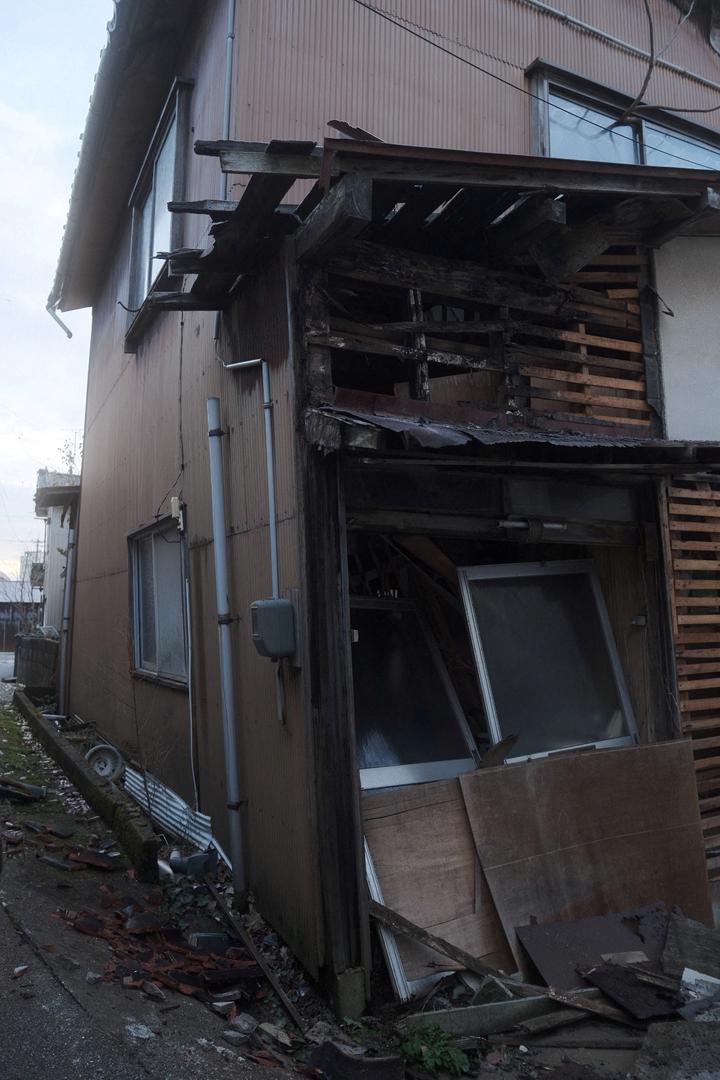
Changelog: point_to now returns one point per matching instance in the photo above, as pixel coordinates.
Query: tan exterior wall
(309, 61)
(298, 64)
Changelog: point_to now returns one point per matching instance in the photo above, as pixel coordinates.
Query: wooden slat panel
(692, 512)
(589, 398)
(585, 379)
(691, 493)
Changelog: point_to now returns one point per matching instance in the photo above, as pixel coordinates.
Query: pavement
(7, 662)
(53, 1021)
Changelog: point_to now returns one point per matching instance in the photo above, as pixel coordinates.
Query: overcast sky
(50, 52)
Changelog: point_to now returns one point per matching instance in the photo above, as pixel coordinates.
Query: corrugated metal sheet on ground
(170, 812)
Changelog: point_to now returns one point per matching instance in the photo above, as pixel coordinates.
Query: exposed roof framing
(443, 201)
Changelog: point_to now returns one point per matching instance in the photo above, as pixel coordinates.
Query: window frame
(175, 110)
(383, 776)
(544, 77)
(134, 540)
(495, 571)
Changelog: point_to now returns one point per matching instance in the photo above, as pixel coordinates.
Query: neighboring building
(19, 612)
(55, 494)
(478, 405)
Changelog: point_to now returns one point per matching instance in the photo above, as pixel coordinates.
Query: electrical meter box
(273, 627)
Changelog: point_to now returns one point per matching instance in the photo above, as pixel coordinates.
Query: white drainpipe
(227, 689)
(64, 652)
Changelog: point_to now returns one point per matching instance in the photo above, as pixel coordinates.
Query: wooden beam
(215, 208)
(460, 279)
(707, 207)
(343, 213)
(399, 925)
(529, 223)
(302, 163)
(561, 257)
(419, 165)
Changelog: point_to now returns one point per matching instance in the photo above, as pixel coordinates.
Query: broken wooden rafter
(343, 213)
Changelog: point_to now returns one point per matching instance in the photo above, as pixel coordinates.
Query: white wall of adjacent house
(688, 280)
(56, 540)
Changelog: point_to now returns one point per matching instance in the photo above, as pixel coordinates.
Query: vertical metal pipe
(270, 466)
(227, 102)
(227, 690)
(64, 657)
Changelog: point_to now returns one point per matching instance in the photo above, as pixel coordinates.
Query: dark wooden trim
(329, 670)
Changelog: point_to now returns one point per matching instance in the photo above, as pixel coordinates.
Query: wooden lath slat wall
(603, 376)
(537, 364)
(694, 538)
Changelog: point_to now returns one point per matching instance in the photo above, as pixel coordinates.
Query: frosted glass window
(409, 725)
(583, 133)
(547, 663)
(159, 616)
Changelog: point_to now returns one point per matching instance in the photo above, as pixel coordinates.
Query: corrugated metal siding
(309, 61)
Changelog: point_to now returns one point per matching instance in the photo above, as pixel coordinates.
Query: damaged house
(398, 551)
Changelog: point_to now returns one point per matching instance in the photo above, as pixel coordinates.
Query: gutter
(112, 62)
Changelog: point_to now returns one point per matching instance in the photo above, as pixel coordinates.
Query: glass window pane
(164, 182)
(146, 598)
(403, 715)
(675, 151)
(583, 133)
(548, 661)
(169, 585)
(143, 225)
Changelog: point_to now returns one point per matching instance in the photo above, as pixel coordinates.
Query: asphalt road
(45, 1032)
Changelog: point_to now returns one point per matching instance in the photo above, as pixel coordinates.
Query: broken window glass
(546, 660)
(409, 724)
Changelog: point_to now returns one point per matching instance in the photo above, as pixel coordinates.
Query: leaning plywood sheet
(575, 835)
(422, 850)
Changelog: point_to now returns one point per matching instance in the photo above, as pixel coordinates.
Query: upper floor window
(576, 120)
(161, 180)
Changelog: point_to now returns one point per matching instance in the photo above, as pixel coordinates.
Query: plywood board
(570, 836)
(424, 857)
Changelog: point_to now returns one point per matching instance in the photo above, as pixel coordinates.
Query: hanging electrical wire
(650, 68)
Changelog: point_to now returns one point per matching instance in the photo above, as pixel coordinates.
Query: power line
(513, 86)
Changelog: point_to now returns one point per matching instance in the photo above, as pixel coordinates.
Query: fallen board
(570, 836)
(559, 949)
(424, 858)
(689, 944)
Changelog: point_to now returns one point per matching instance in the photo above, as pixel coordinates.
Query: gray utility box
(273, 627)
